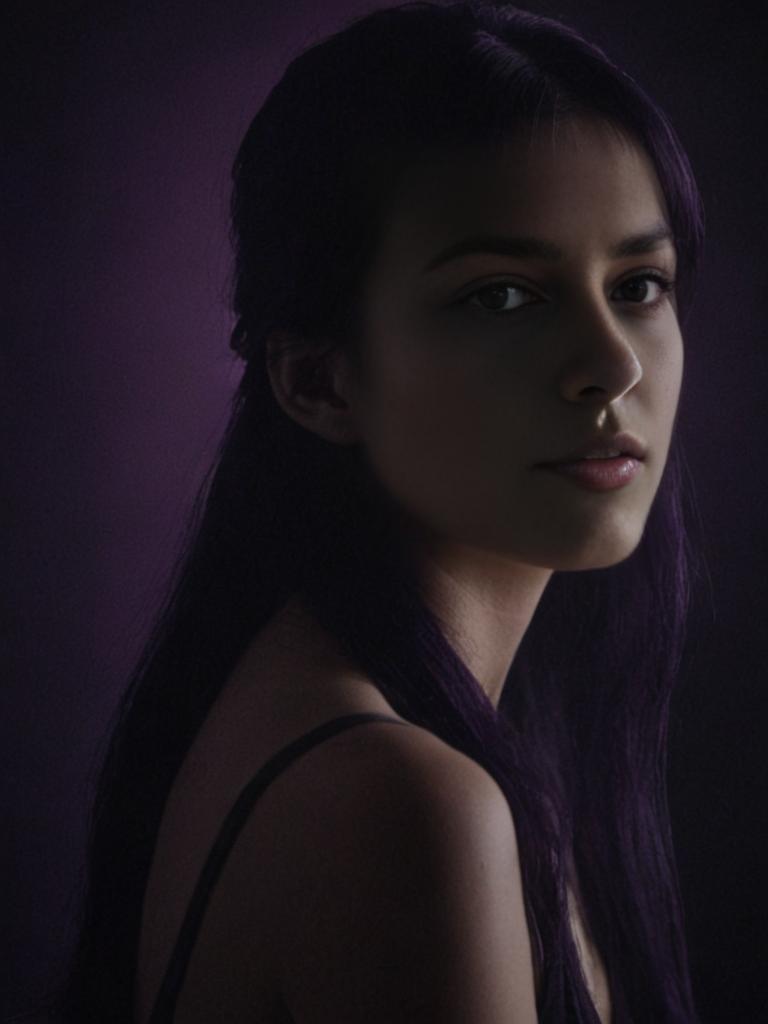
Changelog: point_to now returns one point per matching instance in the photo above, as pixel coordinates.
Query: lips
(598, 474)
(603, 447)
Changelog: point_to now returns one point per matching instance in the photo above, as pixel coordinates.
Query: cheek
(667, 373)
(421, 420)
(442, 432)
(659, 397)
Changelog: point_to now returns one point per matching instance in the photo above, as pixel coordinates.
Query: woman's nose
(599, 354)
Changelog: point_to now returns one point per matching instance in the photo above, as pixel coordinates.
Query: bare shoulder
(402, 900)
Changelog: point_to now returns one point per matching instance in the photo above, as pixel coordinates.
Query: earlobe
(309, 385)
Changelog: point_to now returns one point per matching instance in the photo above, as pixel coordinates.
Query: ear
(313, 386)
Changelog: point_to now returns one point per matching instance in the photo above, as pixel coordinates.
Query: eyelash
(666, 285)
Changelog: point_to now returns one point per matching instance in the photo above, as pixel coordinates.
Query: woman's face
(467, 387)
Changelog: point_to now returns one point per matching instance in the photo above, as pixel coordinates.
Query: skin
(456, 403)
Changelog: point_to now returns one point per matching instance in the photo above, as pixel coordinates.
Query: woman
(449, 501)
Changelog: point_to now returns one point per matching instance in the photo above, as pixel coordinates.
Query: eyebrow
(536, 248)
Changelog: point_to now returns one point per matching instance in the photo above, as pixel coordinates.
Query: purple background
(122, 122)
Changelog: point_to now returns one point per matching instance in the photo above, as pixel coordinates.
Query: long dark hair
(578, 742)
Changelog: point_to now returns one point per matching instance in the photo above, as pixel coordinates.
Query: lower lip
(598, 474)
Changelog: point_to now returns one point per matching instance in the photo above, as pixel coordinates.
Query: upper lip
(603, 445)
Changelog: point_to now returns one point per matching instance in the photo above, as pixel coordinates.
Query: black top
(165, 1004)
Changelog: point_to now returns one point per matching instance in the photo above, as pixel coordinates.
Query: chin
(601, 553)
(575, 548)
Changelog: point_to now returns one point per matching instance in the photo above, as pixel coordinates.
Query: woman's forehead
(573, 184)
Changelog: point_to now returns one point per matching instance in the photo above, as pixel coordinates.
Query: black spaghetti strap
(173, 979)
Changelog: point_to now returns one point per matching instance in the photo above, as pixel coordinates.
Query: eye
(498, 295)
(663, 284)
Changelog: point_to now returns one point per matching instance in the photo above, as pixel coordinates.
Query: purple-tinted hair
(578, 743)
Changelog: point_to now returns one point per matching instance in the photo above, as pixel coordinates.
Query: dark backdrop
(121, 121)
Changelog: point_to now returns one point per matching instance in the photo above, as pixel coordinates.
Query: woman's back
(337, 879)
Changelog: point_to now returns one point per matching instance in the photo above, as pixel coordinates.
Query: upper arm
(404, 903)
